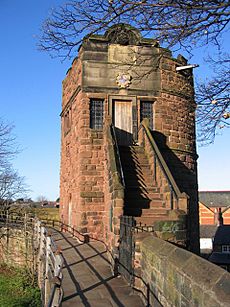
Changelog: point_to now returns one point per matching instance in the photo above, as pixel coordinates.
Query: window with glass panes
(96, 113)
(225, 248)
(146, 111)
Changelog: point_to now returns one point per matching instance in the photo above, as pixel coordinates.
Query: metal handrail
(118, 155)
(174, 189)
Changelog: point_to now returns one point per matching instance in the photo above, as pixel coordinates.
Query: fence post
(41, 258)
(47, 281)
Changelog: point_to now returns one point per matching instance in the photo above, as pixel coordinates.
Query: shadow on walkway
(87, 277)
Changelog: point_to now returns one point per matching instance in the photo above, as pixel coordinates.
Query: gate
(127, 248)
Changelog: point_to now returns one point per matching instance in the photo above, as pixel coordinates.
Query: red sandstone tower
(114, 162)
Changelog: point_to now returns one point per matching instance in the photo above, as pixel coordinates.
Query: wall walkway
(87, 276)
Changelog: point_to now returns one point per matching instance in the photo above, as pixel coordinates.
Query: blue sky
(31, 85)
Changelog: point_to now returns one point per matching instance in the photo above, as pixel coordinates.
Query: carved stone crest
(123, 80)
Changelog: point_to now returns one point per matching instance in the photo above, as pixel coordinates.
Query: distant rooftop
(220, 258)
(222, 235)
(208, 231)
(215, 198)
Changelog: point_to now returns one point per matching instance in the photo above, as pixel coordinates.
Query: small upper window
(225, 248)
(67, 121)
(96, 113)
(146, 111)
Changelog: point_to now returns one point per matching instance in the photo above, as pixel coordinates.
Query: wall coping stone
(210, 279)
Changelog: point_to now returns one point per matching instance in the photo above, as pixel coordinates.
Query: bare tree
(41, 198)
(175, 24)
(213, 100)
(187, 23)
(8, 146)
(12, 185)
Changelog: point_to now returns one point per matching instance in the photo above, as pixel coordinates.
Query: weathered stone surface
(87, 158)
(180, 278)
(222, 289)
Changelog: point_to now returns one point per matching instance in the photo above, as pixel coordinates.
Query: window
(225, 248)
(146, 111)
(96, 113)
(67, 121)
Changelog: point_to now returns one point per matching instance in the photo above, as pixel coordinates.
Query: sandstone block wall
(175, 131)
(177, 277)
(84, 185)
(16, 248)
(82, 170)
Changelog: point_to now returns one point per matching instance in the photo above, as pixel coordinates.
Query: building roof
(208, 231)
(222, 235)
(220, 258)
(215, 198)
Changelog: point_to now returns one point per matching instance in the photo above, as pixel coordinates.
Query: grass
(17, 289)
(47, 213)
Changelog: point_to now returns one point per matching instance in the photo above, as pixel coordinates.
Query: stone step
(138, 174)
(137, 168)
(133, 154)
(135, 158)
(130, 182)
(143, 203)
(148, 212)
(150, 189)
(139, 177)
(135, 148)
(136, 194)
(149, 220)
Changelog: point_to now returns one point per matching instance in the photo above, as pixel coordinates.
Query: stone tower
(118, 80)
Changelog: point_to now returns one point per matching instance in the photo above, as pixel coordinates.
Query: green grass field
(16, 289)
(47, 213)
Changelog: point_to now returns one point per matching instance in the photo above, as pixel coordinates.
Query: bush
(17, 288)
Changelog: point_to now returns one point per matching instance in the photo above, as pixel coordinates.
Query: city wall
(176, 277)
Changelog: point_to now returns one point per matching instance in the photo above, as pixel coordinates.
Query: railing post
(155, 167)
(47, 281)
(41, 258)
(171, 197)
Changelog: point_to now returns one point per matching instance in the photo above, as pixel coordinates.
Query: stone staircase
(142, 197)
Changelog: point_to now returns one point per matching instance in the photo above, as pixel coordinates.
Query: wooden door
(123, 122)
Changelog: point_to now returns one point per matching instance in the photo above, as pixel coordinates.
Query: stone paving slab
(87, 277)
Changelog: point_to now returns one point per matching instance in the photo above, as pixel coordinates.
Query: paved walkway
(87, 277)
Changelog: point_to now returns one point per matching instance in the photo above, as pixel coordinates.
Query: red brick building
(116, 81)
(212, 206)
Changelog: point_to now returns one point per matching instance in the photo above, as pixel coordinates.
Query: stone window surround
(95, 122)
(143, 104)
(67, 120)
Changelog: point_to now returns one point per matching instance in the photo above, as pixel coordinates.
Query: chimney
(220, 217)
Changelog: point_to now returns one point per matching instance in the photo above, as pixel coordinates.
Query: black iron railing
(117, 155)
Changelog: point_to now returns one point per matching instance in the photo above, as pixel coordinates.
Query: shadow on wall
(186, 180)
(124, 138)
(184, 177)
(136, 199)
